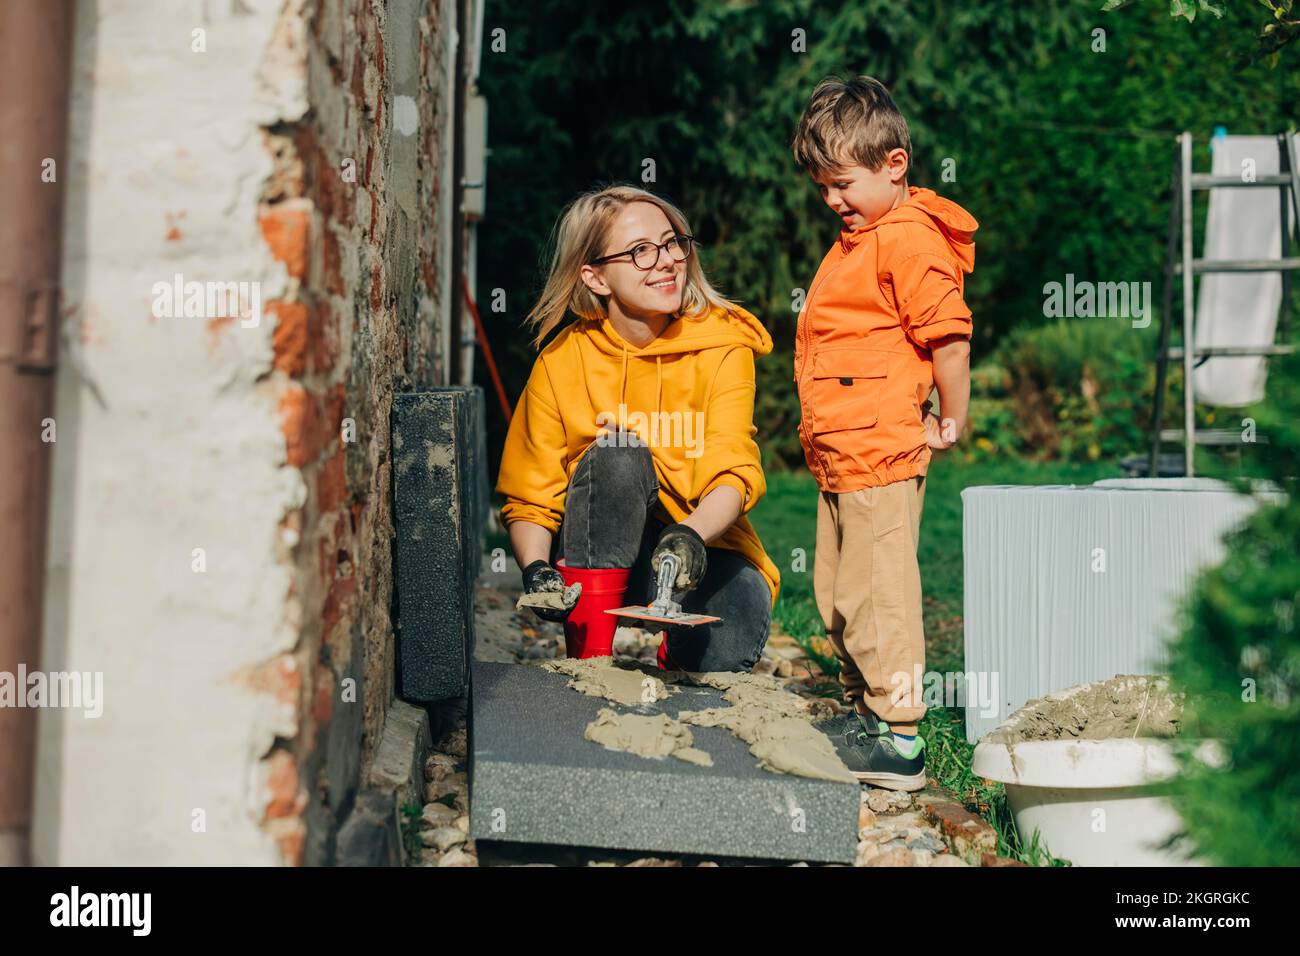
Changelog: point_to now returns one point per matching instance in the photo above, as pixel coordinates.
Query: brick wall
(355, 211)
(304, 148)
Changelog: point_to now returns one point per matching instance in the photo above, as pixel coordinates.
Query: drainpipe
(35, 57)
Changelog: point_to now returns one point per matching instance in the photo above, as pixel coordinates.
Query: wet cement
(553, 600)
(599, 677)
(1125, 706)
(656, 735)
(777, 725)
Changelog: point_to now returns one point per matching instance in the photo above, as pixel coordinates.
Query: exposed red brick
(332, 262)
(280, 678)
(319, 351)
(323, 703)
(376, 290)
(300, 421)
(966, 833)
(333, 402)
(285, 231)
(283, 797)
(331, 483)
(289, 340)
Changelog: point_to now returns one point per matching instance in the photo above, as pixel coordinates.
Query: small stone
(784, 668)
(442, 838)
(947, 859)
(866, 853)
(438, 766)
(454, 743)
(875, 835)
(654, 861)
(898, 856)
(878, 801)
(926, 841)
(902, 822)
(823, 708)
(993, 860)
(765, 665)
(458, 857)
(866, 819)
(437, 815)
(706, 863)
(450, 785)
(462, 823)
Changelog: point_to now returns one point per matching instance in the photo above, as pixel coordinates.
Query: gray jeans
(608, 524)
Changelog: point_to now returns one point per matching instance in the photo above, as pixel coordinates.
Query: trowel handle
(669, 565)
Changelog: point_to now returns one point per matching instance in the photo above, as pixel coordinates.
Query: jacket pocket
(847, 385)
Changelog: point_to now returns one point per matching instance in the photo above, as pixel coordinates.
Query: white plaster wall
(168, 440)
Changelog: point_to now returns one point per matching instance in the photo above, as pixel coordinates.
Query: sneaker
(872, 754)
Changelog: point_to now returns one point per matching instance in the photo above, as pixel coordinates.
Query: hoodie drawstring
(659, 385)
(622, 382)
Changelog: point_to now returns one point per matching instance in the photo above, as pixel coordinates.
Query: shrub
(1238, 660)
(1074, 390)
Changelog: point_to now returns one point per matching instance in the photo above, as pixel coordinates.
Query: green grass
(786, 523)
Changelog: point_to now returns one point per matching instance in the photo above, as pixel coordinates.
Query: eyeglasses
(645, 255)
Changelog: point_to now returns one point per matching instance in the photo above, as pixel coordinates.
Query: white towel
(1239, 308)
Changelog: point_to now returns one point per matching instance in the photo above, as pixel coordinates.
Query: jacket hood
(928, 208)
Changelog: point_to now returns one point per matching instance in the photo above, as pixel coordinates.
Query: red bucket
(588, 630)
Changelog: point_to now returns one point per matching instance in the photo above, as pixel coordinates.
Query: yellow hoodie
(689, 394)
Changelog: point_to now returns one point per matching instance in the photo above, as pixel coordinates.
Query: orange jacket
(689, 394)
(883, 294)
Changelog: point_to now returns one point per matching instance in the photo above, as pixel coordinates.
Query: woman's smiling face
(657, 291)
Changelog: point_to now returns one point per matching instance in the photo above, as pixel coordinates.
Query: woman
(634, 438)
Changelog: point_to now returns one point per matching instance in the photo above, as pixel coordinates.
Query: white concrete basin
(1090, 800)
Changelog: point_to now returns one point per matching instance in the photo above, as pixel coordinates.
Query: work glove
(542, 579)
(692, 555)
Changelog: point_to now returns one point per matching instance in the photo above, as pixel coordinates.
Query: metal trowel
(665, 610)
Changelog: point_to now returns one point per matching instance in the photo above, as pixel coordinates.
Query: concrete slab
(534, 779)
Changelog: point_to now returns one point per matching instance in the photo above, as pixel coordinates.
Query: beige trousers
(868, 588)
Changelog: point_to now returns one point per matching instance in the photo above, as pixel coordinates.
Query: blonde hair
(580, 236)
(847, 122)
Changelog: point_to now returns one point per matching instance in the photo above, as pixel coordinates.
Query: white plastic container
(1089, 800)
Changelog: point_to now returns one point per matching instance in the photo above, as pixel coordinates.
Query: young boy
(883, 323)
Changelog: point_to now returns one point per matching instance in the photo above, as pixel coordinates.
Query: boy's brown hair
(849, 122)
